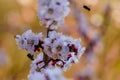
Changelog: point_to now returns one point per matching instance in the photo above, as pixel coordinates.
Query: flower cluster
(47, 74)
(53, 12)
(56, 51)
(29, 41)
(62, 50)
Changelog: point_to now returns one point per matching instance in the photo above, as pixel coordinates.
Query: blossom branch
(58, 51)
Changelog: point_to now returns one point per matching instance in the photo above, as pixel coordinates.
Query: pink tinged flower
(47, 74)
(53, 12)
(58, 46)
(54, 73)
(28, 40)
(21, 42)
(62, 6)
(36, 76)
(37, 64)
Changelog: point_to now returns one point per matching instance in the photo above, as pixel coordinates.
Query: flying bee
(86, 7)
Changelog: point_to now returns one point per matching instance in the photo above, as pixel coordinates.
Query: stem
(46, 57)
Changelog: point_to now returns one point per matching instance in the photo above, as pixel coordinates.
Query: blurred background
(99, 30)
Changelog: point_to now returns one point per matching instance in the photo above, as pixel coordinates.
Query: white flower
(77, 48)
(54, 73)
(36, 76)
(47, 74)
(21, 42)
(55, 46)
(62, 49)
(54, 35)
(53, 12)
(37, 64)
(72, 59)
(58, 46)
(61, 5)
(28, 40)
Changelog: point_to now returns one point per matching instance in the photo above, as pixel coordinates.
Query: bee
(86, 7)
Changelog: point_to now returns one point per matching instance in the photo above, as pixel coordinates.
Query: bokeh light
(102, 38)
